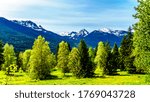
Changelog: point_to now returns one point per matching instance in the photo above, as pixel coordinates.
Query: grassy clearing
(122, 79)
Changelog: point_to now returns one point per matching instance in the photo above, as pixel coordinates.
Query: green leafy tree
(53, 61)
(91, 54)
(101, 58)
(39, 63)
(141, 37)
(25, 60)
(62, 57)
(91, 63)
(9, 58)
(73, 63)
(1, 54)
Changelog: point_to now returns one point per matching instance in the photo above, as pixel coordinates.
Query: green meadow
(57, 78)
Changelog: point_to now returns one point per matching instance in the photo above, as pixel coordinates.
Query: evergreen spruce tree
(86, 70)
(69, 46)
(126, 58)
(109, 64)
(40, 59)
(115, 59)
(91, 63)
(9, 59)
(101, 58)
(1, 55)
(141, 37)
(62, 57)
(123, 53)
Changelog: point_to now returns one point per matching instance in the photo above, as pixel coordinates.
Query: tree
(62, 57)
(73, 63)
(123, 53)
(115, 58)
(84, 62)
(109, 62)
(141, 37)
(53, 60)
(19, 60)
(40, 59)
(1, 54)
(91, 54)
(101, 57)
(25, 60)
(126, 58)
(91, 63)
(9, 58)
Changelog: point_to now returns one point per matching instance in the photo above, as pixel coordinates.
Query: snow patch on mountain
(115, 32)
(106, 30)
(74, 35)
(29, 24)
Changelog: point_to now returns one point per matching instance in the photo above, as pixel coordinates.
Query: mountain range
(21, 34)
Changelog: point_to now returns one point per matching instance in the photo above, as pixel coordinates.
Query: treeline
(81, 61)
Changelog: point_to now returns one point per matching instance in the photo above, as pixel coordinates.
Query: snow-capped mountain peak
(64, 33)
(115, 32)
(106, 30)
(29, 24)
(83, 32)
(73, 34)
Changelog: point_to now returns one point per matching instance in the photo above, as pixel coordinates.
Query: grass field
(122, 79)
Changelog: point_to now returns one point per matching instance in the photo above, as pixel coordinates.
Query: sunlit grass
(123, 78)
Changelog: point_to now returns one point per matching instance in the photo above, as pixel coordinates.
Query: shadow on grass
(116, 74)
(100, 77)
(54, 77)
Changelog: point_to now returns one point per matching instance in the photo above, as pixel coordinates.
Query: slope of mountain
(23, 36)
(30, 24)
(94, 37)
(23, 33)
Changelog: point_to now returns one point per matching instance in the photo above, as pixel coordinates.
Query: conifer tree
(9, 58)
(123, 53)
(1, 54)
(109, 64)
(86, 69)
(141, 38)
(40, 59)
(62, 57)
(126, 58)
(101, 57)
(115, 54)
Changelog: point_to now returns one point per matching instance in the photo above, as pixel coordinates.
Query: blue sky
(72, 15)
